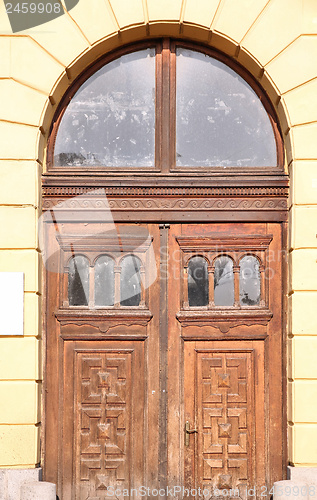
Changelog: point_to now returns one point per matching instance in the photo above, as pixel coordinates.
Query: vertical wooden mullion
(167, 141)
(266, 275)
(158, 107)
(64, 284)
(142, 287)
(172, 106)
(236, 276)
(91, 300)
(163, 357)
(211, 272)
(117, 273)
(263, 299)
(185, 287)
(263, 287)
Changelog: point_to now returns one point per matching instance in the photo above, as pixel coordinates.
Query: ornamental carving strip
(186, 204)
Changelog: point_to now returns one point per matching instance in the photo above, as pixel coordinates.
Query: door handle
(188, 431)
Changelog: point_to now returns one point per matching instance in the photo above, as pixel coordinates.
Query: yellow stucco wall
(277, 41)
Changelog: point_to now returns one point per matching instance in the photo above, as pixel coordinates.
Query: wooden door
(102, 385)
(225, 381)
(125, 380)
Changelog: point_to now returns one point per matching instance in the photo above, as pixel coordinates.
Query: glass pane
(250, 281)
(104, 281)
(130, 282)
(224, 282)
(78, 281)
(198, 292)
(110, 120)
(220, 119)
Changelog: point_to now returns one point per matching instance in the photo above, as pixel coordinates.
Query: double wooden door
(165, 379)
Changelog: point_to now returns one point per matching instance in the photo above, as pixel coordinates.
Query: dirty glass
(223, 282)
(250, 281)
(197, 282)
(130, 281)
(104, 281)
(78, 281)
(110, 120)
(220, 120)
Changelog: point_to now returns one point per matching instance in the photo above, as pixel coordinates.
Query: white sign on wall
(11, 303)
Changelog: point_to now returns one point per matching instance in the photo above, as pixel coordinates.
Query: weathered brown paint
(187, 201)
(255, 337)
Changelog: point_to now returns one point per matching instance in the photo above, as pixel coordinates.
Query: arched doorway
(165, 230)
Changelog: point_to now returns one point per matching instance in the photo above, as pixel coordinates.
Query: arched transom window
(164, 107)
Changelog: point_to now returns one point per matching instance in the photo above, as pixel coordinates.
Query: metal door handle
(188, 431)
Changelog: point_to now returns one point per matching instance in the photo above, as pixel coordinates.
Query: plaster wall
(276, 40)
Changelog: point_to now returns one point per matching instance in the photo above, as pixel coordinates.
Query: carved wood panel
(108, 417)
(104, 403)
(224, 409)
(221, 402)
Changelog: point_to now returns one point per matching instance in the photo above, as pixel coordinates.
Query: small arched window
(104, 281)
(198, 287)
(121, 112)
(78, 281)
(250, 281)
(130, 281)
(223, 282)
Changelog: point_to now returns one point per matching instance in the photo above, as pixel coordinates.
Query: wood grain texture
(227, 374)
(120, 382)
